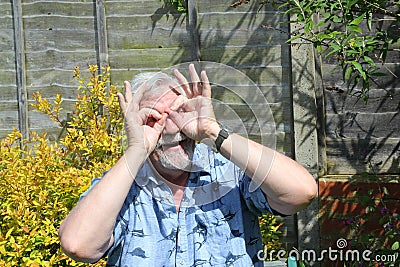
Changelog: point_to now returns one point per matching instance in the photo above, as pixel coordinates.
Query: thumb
(160, 124)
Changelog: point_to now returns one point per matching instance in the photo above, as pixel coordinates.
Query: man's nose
(170, 127)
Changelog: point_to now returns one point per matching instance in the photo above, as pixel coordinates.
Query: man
(171, 202)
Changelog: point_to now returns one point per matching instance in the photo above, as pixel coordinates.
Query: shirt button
(168, 197)
(181, 262)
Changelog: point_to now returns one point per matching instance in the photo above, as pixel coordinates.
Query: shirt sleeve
(256, 201)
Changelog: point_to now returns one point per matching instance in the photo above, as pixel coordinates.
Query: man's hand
(194, 114)
(143, 126)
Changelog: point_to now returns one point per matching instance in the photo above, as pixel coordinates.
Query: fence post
(305, 84)
(193, 29)
(101, 34)
(20, 69)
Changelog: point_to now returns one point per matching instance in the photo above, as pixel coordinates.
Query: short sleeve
(256, 201)
(92, 184)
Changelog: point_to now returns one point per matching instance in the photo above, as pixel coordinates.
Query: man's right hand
(143, 126)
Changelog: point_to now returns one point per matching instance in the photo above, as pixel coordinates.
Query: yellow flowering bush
(40, 180)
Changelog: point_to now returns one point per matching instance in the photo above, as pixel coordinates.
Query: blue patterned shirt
(217, 224)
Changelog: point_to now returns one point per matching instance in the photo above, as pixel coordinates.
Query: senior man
(179, 196)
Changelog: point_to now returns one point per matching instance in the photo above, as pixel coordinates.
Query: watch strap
(222, 135)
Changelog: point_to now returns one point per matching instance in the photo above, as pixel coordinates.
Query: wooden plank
(148, 38)
(381, 100)
(258, 36)
(8, 59)
(55, 59)
(6, 10)
(247, 55)
(6, 38)
(68, 91)
(224, 6)
(53, 22)
(333, 77)
(58, 8)
(20, 69)
(148, 58)
(72, 40)
(48, 77)
(352, 155)
(153, 8)
(244, 21)
(7, 77)
(8, 116)
(363, 125)
(126, 23)
(8, 93)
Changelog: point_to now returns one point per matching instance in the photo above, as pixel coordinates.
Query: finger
(178, 102)
(160, 124)
(132, 100)
(148, 114)
(137, 96)
(206, 85)
(122, 103)
(128, 91)
(177, 119)
(183, 83)
(196, 88)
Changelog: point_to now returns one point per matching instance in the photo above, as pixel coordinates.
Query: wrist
(213, 131)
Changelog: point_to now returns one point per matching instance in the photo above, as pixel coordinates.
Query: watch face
(224, 133)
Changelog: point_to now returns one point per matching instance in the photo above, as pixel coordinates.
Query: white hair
(153, 81)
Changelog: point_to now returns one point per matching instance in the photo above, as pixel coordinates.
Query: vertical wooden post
(101, 34)
(20, 68)
(193, 28)
(305, 84)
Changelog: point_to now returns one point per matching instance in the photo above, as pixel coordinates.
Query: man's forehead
(165, 92)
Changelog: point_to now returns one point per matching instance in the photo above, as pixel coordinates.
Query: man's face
(174, 150)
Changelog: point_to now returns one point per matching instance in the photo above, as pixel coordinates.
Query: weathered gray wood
(363, 125)
(58, 8)
(380, 100)
(333, 77)
(255, 56)
(351, 155)
(53, 22)
(305, 80)
(101, 34)
(154, 8)
(148, 58)
(20, 69)
(193, 29)
(55, 59)
(61, 39)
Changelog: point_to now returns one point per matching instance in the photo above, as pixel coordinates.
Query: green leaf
(337, 19)
(369, 61)
(358, 20)
(354, 28)
(396, 245)
(359, 69)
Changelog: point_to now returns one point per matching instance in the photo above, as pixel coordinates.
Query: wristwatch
(222, 135)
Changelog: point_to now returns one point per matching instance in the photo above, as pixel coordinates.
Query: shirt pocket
(213, 242)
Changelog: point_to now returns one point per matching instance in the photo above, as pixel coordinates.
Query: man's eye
(151, 121)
